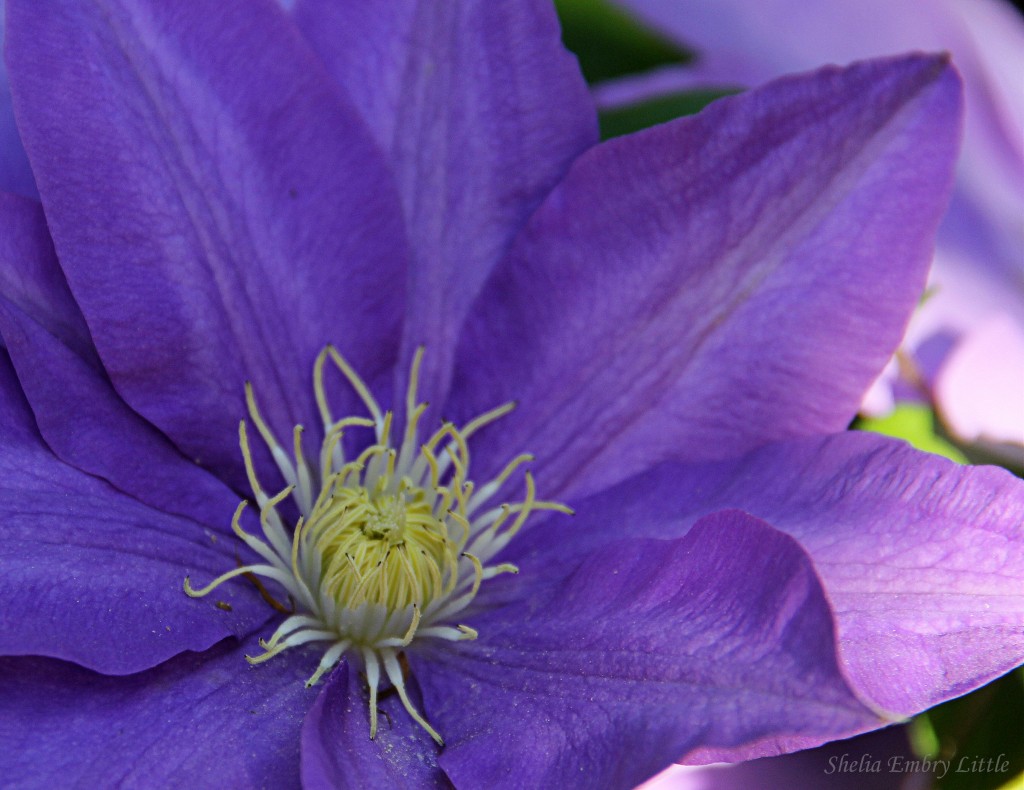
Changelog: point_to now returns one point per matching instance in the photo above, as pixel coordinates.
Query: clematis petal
(921, 558)
(15, 172)
(336, 754)
(649, 649)
(731, 37)
(219, 209)
(76, 409)
(30, 277)
(718, 282)
(481, 111)
(88, 570)
(977, 270)
(740, 42)
(196, 721)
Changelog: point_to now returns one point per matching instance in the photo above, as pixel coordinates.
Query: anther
(388, 547)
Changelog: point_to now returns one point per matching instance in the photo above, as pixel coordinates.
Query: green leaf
(610, 43)
(633, 118)
(981, 735)
(1017, 783)
(914, 423)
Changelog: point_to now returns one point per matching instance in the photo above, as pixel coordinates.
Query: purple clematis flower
(965, 346)
(361, 208)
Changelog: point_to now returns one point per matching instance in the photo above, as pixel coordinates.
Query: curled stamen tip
(418, 507)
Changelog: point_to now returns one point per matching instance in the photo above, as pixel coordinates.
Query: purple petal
(15, 173)
(920, 557)
(30, 277)
(650, 649)
(205, 720)
(718, 282)
(979, 268)
(76, 409)
(88, 570)
(732, 35)
(747, 42)
(337, 752)
(481, 111)
(990, 53)
(221, 213)
(638, 88)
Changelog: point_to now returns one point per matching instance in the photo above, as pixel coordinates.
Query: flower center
(390, 545)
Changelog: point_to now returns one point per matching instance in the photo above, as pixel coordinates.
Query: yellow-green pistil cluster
(390, 545)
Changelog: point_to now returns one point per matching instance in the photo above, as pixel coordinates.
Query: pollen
(390, 546)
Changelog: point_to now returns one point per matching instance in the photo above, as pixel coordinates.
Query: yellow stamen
(387, 547)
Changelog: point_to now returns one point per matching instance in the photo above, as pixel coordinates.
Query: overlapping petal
(15, 173)
(89, 570)
(481, 111)
(649, 648)
(718, 282)
(920, 557)
(76, 409)
(30, 277)
(743, 42)
(978, 268)
(219, 209)
(197, 721)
